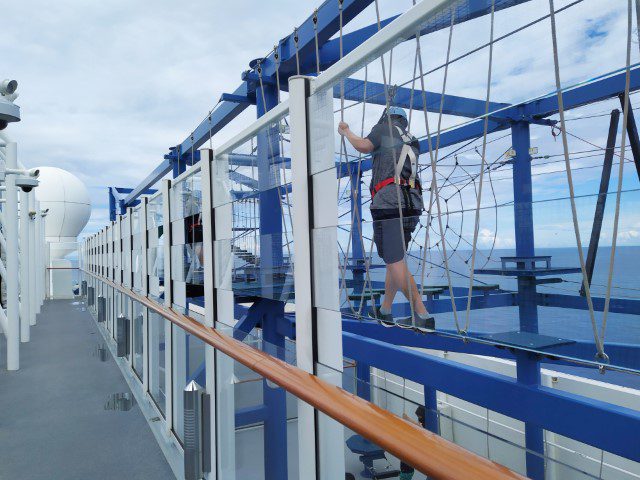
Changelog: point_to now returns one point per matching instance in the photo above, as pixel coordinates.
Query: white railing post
(168, 341)
(25, 294)
(144, 267)
(31, 222)
(224, 314)
(210, 293)
(318, 318)
(11, 219)
(39, 257)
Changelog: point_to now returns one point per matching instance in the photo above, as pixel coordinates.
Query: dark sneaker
(425, 324)
(406, 322)
(377, 315)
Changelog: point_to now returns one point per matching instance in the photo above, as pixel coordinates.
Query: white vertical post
(117, 309)
(318, 318)
(142, 223)
(224, 312)
(11, 219)
(127, 249)
(25, 303)
(33, 297)
(210, 292)
(39, 257)
(168, 342)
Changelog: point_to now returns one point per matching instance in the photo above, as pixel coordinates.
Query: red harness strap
(389, 181)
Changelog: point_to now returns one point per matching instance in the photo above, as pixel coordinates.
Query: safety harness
(406, 151)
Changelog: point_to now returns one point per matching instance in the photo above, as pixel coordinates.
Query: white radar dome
(67, 199)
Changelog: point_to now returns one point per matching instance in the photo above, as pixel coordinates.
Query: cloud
(106, 88)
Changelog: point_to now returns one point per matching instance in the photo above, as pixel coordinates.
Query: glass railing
(246, 433)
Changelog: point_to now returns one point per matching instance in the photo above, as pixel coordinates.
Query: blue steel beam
(618, 305)
(157, 173)
(602, 88)
(442, 305)
(453, 105)
(230, 97)
(213, 123)
(465, 11)
(251, 415)
(603, 425)
(327, 26)
(243, 180)
(622, 355)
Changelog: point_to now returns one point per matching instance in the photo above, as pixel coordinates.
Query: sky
(107, 87)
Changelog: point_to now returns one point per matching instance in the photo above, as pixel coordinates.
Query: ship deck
(54, 423)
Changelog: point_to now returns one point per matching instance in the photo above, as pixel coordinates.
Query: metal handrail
(425, 451)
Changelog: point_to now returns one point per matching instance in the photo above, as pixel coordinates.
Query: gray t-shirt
(385, 155)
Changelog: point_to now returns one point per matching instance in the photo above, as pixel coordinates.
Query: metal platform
(526, 340)
(526, 267)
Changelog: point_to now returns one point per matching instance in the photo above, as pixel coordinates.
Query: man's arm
(363, 145)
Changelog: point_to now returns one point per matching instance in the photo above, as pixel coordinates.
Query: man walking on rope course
(395, 215)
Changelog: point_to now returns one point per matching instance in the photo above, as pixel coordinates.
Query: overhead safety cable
(476, 228)
(315, 34)
(433, 155)
(295, 43)
(616, 218)
(585, 281)
(386, 82)
(433, 190)
(483, 46)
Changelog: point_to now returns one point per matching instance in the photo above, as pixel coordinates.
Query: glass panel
(484, 432)
(188, 365)
(137, 250)
(157, 347)
(126, 251)
(187, 270)
(155, 252)
(127, 311)
(254, 243)
(246, 442)
(138, 339)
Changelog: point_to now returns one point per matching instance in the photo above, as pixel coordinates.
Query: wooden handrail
(425, 451)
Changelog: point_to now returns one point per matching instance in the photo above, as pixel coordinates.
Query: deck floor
(53, 424)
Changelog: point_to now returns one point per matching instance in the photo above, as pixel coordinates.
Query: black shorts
(390, 236)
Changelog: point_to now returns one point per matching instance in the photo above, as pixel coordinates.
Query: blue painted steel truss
(596, 423)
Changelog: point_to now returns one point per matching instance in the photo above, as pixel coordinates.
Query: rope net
(458, 81)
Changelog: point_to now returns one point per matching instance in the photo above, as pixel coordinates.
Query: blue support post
(431, 421)
(178, 167)
(275, 401)
(363, 380)
(528, 365)
(112, 206)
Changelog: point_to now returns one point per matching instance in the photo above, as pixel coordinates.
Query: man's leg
(390, 290)
(401, 277)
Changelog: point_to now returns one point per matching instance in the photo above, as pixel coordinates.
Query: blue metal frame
(600, 424)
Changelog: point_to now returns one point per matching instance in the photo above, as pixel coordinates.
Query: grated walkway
(53, 424)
